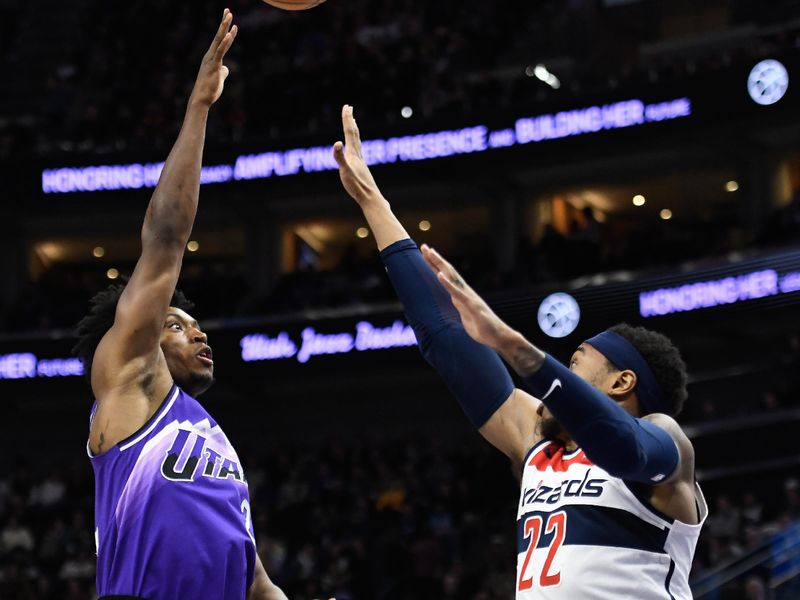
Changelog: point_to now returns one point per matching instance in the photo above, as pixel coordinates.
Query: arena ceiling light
(542, 74)
(559, 315)
(768, 82)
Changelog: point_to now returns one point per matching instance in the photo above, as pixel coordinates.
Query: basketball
(294, 4)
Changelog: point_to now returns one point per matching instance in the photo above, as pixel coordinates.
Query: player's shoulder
(676, 432)
(666, 422)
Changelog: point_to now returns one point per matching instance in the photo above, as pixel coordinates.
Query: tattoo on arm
(527, 359)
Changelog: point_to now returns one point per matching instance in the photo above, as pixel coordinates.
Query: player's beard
(197, 382)
(551, 429)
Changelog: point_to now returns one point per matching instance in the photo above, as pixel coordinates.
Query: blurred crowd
(110, 91)
(367, 520)
(223, 288)
(408, 517)
(362, 520)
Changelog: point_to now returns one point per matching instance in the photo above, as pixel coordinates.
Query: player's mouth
(205, 356)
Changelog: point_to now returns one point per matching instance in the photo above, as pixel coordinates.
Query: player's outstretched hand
(480, 321)
(211, 78)
(353, 171)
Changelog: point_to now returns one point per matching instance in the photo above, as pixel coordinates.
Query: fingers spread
(224, 26)
(445, 269)
(429, 257)
(457, 293)
(426, 254)
(437, 260)
(226, 44)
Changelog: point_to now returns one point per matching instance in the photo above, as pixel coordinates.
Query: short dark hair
(664, 359)
(91, 328)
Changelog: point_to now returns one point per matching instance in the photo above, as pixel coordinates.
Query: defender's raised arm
(476, 376)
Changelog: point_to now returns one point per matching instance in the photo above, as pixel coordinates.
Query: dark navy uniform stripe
(669, 578)
(598, 526)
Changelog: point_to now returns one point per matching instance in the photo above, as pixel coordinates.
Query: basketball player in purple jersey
(172, 511)
(609, 507)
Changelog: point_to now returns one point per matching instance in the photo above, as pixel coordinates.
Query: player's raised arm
(128, 364)
(651, 450)
(505, 416)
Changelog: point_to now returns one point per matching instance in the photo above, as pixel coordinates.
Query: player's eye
(175, 326)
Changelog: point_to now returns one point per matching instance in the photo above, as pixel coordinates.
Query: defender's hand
(480, 321)
(211, 78)
(353, 171)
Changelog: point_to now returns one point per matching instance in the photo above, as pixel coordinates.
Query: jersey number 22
(532, 529)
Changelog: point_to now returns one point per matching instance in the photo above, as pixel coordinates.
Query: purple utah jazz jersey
(172, 510)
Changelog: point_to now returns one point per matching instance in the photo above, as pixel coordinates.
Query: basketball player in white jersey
(609, 507)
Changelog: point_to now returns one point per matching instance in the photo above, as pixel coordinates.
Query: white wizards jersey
(583, 534)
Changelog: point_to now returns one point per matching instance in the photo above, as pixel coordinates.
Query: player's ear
(623, 384)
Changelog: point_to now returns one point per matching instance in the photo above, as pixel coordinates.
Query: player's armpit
(512, 427)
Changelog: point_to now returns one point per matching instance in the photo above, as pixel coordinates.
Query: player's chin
(202, 379)
(550, 428)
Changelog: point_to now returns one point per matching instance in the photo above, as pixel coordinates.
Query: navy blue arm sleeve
(626, 447)
(474, 373)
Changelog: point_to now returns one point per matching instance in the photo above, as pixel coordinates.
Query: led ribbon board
(410, 148)
(26, 365)
(257, 346)
(744, 288)
(717, 292)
